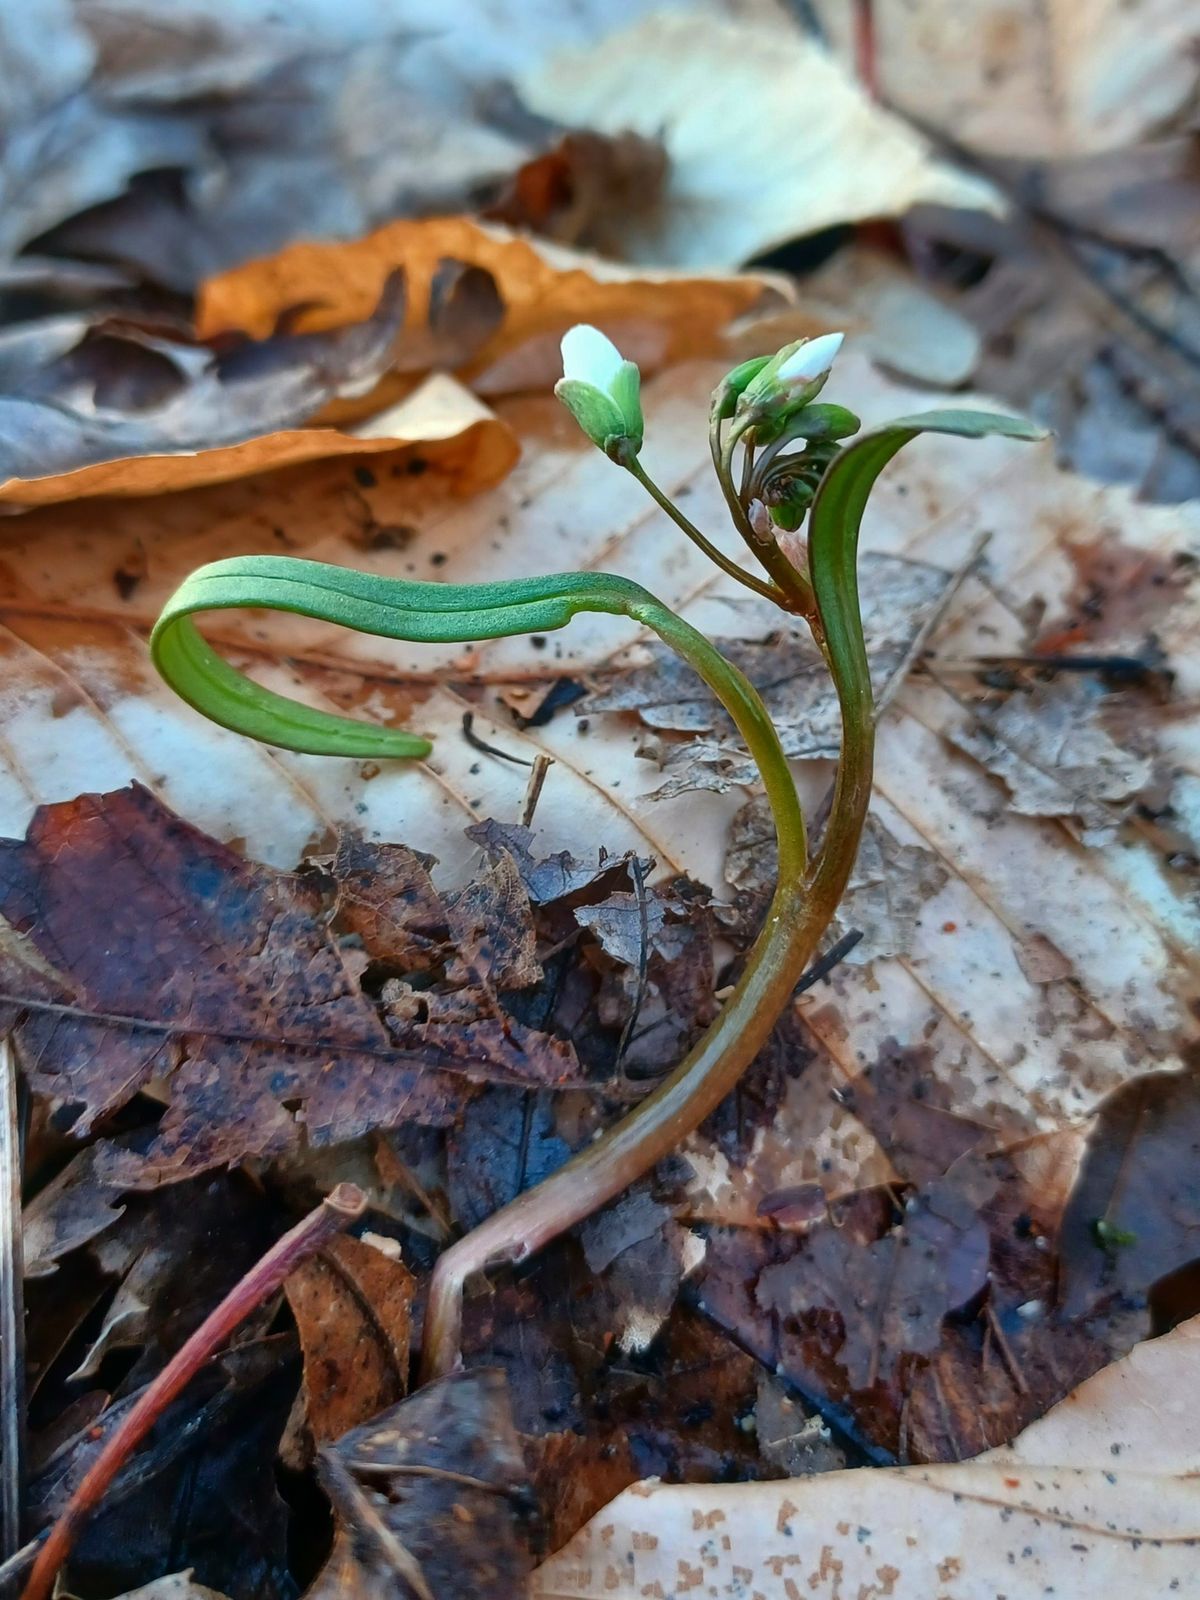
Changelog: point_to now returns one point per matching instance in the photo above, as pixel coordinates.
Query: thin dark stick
(832, 957)
(12, 1311)
(533, 793)
(476, 743)
(639, 997)
(337, 1211)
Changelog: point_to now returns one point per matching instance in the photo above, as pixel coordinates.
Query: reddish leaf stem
(337, 1211)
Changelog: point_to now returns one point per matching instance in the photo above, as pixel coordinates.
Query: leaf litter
(885, 1213)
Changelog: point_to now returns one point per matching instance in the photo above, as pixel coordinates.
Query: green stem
(794, 587)
(653, 1129)
(718, 557)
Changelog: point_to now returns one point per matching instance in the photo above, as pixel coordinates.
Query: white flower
(601, 390)
(812, 359)
(793, 376)
(590, 356)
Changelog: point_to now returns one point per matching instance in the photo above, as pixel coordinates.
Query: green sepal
(733, 385)
(823, 421)
(596, 412)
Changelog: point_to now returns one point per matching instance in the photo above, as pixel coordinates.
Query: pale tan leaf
(1029, 77)
(730, 99)
(178, 1586)
(1100, 1494)
(440, 421)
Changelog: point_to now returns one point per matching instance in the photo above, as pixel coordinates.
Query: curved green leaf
(833, 532)
(427, 613)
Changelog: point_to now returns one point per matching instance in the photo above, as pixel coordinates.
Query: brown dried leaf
(1133, 1218)
(440, 423)
(594, 1419)
(891, 1293)
(504, 1143)
(386, 896)
(74, 1208)
(1033, 77)
(573, 192)
(1102, 1491)
(656, 316)
(1056, 759)
(491, 930)
(559, 877)
(353, 1308)
(154, 952)
(426, 1498)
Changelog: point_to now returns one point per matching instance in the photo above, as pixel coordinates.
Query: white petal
(590, 356)
(812, 360)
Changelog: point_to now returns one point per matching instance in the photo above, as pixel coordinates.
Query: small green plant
(780, 456)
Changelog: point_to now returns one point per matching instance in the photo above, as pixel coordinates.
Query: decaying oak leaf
(127, 414)
(138, 949)
(1037, 77)
(656, 316)
(353, 1308)
(1132, 1224)
(428, 1498)
(1056, 758)
(728, 98)
(70, 1211)
(1100, 1494)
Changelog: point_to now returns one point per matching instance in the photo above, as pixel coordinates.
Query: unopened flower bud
(601, 390)
(732, 386)
(792, 377)
(823, 422)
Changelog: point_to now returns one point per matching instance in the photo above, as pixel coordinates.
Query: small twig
(919, 639)
(833, 957)
(337, 1211)
(401, 1559)
(476, 743)
(17, 1565)
(12, 1311)
(533, 791)
(639, 997)
(404, 1469)
(1006, 1351)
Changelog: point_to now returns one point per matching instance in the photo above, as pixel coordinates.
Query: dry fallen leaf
(1028, 77)
(728, 98)
(1056, 759)
(214, 976)
(656, 315)
(1099, 1494)
(426, 1498)
(353, 1309)
(439, 424)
